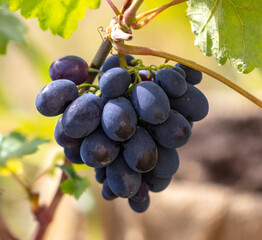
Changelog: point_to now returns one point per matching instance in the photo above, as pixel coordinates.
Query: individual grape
(179, 70)
(173, 133)
(193, 76)
(151, 102)
(54, 98)
(122, 180)
(98, 150)
(119, 119)
(107, 192)
(172, 82)
(113, 61)
(114, 82)
(73, 154)
(69, 67)
(82, 116)
(62, 139)
(139, 207)
(146, 75)
(167, 163)
(142, 193)
(156, 184)
(100, 174)
(140, 151)
(193, 105)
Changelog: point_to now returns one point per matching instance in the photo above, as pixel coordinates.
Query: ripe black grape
(107, 192)
(114, 82)
(142, 193)
(119, 119)
(150, 102)
(62, 139)
(179, 70)
(98, 150)
(146, 75)
(173, 133)
(54, 98)
(139, 207)
(100, 174)
(140, 151)
(73, 154)
(82, 116)
(69, 67)
(122, 180)
(113, 61)
(172, 82)
(156, 184)
(167, 163)
(193, 105)
(193, 76)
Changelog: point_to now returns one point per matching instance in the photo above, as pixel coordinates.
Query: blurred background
(216, 193)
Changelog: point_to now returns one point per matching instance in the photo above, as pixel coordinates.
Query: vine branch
(136, 50)
(114, 8)
(45, 215)
(154, 13)
(126, 5)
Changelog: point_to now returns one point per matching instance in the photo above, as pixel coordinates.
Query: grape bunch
(129, 127)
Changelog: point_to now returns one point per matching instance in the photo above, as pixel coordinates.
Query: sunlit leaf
(60, 16)
(229, 29)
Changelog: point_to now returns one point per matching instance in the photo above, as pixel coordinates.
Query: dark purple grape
(113, 61)
(119, 119)
(140, 151)
(107, 192)
(54, 98)
(156, 184)
(146, 75)
(122, 180)
(114, 82)
(167, 163)
(73, 154)
(100, 174)
(142, 193)
(151, 102)
(139, 207)
(193, 105)
(98, 150)
(69, 67)
(179, 70)
(82, 116)
(62, 139)
(172, 82)
(173, 133)
(193, 76)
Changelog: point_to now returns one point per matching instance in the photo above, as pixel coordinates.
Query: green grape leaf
(229, 29)
(60, 16)
(11, 29)
(16, 145)
(74, 185)
(75, 188)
